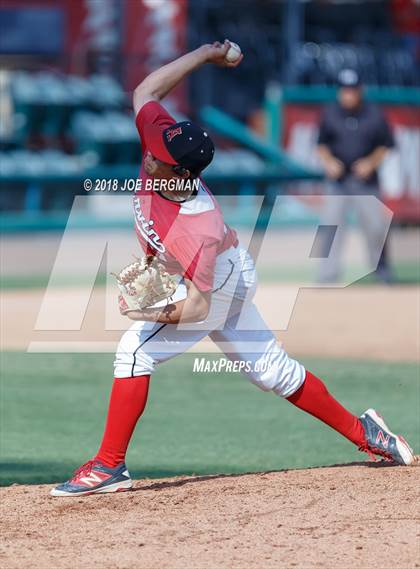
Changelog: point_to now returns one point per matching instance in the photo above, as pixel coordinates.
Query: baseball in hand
(233, 53)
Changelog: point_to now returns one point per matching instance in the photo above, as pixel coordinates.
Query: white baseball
(233, 53)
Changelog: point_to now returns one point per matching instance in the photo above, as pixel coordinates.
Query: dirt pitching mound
(358, 515)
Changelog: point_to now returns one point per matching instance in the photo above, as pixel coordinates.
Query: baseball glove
(143, 283)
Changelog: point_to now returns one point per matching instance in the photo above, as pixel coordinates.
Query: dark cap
(184, 144)
(348, 78)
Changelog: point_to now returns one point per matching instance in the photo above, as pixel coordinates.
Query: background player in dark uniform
(353, 140)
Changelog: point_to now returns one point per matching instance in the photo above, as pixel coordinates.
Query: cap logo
(173, 132)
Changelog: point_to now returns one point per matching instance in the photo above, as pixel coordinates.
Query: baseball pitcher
(201, 282)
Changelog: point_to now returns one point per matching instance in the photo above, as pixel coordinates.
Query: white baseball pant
(233, 323)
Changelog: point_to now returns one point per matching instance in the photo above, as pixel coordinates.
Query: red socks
(314, 398)
(129, 397)
(127, 403)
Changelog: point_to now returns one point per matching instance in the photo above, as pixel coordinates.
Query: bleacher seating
(319, 63)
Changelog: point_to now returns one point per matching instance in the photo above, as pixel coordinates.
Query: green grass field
(53, 409)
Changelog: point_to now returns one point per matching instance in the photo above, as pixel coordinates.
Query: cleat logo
(91, 480)
(382, 439)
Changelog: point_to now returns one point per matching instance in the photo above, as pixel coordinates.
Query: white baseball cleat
(380, 440)
(95, 478)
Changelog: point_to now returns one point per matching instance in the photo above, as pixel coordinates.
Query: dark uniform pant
(370, 219)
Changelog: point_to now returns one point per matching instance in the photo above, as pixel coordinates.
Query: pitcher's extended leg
(314, 398)
(272, 369)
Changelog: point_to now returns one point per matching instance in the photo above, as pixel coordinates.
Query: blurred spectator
(353, 140)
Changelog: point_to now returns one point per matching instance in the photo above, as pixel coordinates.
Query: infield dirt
(356, 515)
(366, 322)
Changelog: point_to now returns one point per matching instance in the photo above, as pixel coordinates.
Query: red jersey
(186, 236)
